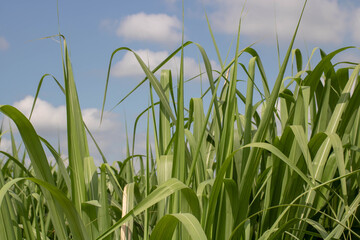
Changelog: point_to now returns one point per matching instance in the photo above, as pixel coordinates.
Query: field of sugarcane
(288, 167)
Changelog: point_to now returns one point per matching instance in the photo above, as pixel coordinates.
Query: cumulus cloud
(159, 28)
(47, 117)
(355, 26)
(324, 21)
(4, 44)
(350, 55)
(128, 66)
(5, 144)
(50, 122)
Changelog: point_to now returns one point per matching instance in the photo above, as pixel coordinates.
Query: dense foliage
(289, 171)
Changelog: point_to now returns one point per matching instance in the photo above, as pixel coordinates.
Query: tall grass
(291, 171)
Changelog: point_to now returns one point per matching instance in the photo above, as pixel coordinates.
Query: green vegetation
(289, 172)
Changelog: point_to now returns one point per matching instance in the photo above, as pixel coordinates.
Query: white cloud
(160, 28)
(5, 144)
(351, 55)
(50, 122)
(47, 117)
(4, 44)
(324, 21)
(128, 66)
(355, 26)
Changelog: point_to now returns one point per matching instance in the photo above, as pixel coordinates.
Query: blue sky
(94, 29)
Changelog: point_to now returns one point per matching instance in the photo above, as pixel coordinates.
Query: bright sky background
(94, 29)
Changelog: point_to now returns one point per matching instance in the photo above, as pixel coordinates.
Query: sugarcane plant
(288, 167)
